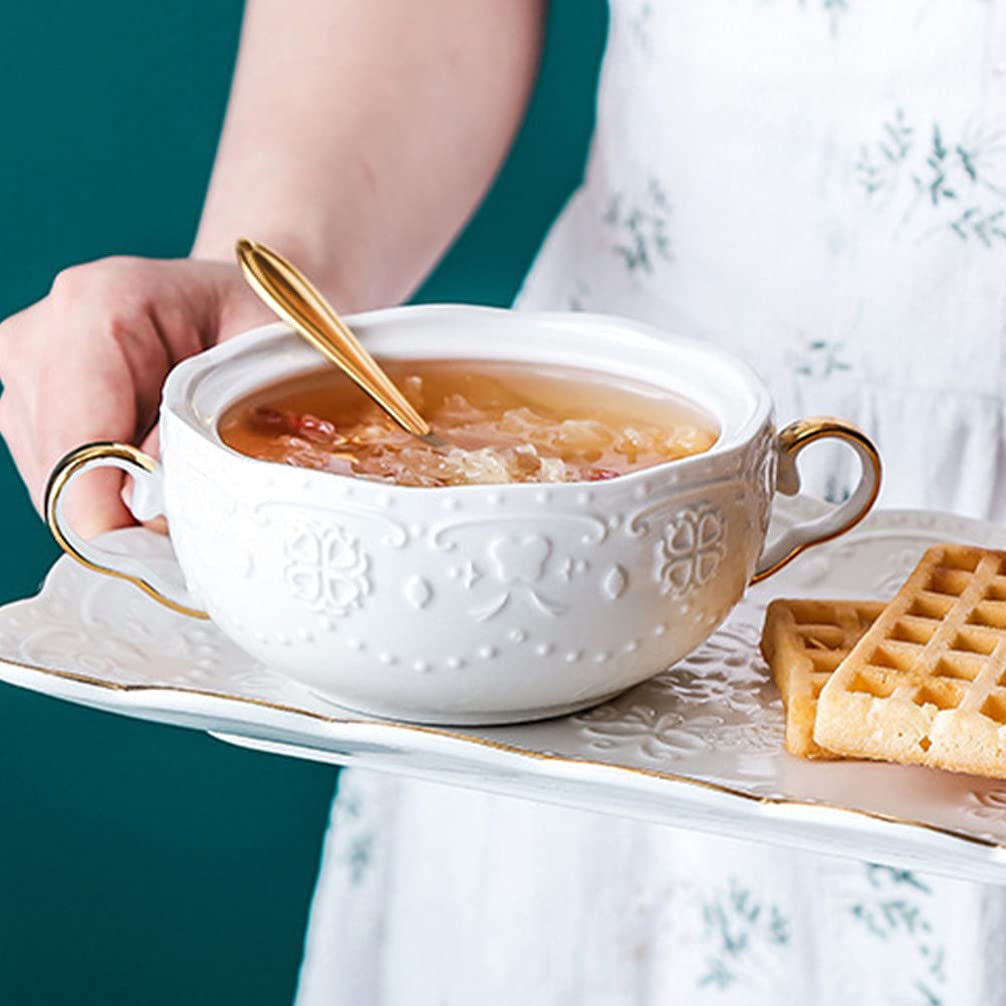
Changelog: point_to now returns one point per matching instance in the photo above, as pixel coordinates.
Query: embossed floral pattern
(903, 562)
(518, 563)
(690, 550)
(643, 724)
(614, 582)
(650, 730)
(760, 471)
(726, 671)
(82, 617)
(989, 805)
(718, 687)
(717, 699)
(327, 569)
(761, 736)
(104, 656)
(519, 559)
(418, 591)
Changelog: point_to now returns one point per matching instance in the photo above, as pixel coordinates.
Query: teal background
(144, 864)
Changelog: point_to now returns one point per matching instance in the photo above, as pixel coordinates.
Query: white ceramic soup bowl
(469, 604)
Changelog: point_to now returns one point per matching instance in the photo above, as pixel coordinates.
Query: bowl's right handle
(146, 502)
(837, 521)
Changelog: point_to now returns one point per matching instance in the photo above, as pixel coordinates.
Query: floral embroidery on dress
(578, 297)
(822, 358)
(639, 22)
(736, 925)
(952, 178)
(354, 838)
(880, 161)
(986, 227)
(895, 910)
(836, 490)
(639, 228)
(834, 8)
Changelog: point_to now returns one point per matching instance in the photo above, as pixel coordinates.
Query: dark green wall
(143, 864)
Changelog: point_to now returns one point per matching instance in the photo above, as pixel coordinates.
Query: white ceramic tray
(700, 746)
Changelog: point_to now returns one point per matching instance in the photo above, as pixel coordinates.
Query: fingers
(67, 382)
(87, 363)
(93, 502)
(152, 444)
(86, 397)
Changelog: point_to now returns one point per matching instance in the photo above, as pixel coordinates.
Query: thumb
(93, 502)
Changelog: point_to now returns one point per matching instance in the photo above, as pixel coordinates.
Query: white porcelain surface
(699, 746)
(475, 604)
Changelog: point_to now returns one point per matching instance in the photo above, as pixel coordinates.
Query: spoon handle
(294, 298)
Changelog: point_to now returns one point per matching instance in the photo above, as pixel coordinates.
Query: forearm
(361, 134)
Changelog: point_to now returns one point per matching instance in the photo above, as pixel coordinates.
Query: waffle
(924, 685)
(803, 642)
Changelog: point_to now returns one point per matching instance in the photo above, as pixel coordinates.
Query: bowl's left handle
(146, 502)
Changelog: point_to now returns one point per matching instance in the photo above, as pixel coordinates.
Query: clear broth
(505, 421)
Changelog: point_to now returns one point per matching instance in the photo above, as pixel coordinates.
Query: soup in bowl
(505, 421)
(601, 508)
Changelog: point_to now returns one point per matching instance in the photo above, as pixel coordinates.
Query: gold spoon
(295, 299)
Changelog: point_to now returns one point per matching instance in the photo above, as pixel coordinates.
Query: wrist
(308, 252)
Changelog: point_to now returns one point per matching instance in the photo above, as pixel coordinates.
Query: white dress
(820, 186)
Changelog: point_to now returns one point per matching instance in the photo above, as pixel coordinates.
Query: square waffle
(803, 642)
(925, 684)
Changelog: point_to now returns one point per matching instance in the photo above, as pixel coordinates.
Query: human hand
(87, 363)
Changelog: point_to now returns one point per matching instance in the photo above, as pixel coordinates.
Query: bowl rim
(186, 374)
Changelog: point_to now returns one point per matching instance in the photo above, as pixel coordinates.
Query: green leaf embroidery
(718, 975)
(929, 997)
(822, 358)
(833, 8)
(835, 491)
(577, 300)
(936, 184)
(358, 856)
(639, 26)
(985, 227)
(878, 875)
(640, 233)
(898, 911)
(942, 174)
(354, 837)
(879, 162)
(735, 921)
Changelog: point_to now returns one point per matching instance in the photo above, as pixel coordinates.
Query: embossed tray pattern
(698, 746)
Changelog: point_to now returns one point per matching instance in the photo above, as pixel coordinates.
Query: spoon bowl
(285, 289)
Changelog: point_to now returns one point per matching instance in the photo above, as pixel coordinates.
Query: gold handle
(141, 467)
(293, 297)
(793, 439)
